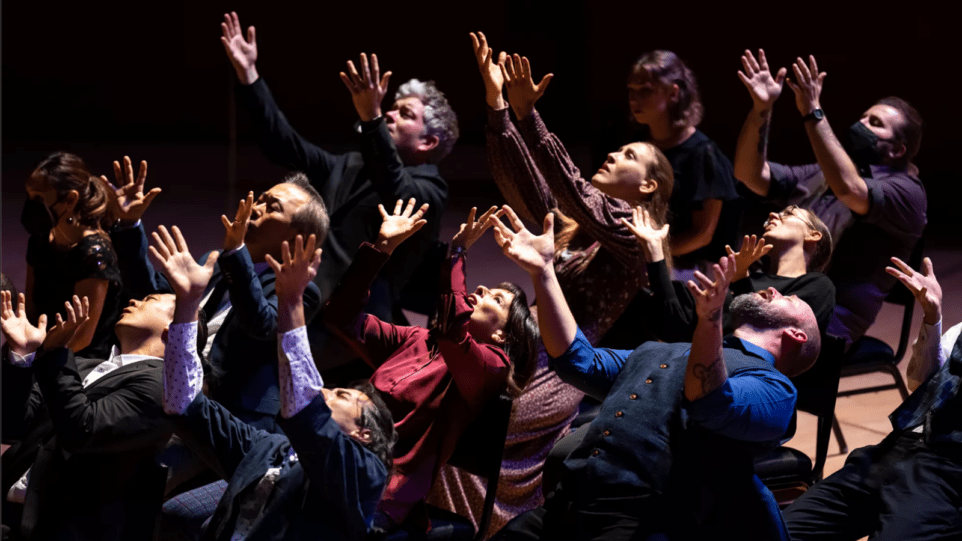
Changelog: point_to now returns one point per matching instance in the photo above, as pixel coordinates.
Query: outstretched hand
(472, 230)
(522, 92)
(187, 278)
(923, 285)
(753, 249)
(22, 337)
(237, 229)
(490, 70)
(397, 227)
(757, 78)
(807, 85)
(367, 87)
(533, 253)
(651, 237)
(242, 53)
(127, 201)
(78, 317)
(710, 294)
(292, 275)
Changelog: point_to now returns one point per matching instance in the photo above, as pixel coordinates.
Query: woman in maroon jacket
(433, 380)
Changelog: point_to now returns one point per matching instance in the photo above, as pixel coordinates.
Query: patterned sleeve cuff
(299, 379)
(183, 374)
(23, 361)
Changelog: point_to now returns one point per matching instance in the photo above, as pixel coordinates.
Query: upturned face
(271, 218)
(884, 120)
(405, 123)
(151, 315)
(791, 224)
(490, 315)
(346, 407)
(624, 172)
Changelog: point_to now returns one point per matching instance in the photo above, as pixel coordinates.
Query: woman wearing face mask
(596, 258)
(68, 252)
(704, 207)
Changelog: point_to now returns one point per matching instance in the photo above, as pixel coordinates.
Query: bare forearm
(555, 320)
(706, 364)
(751, 153)
(840, 173)
(290, 315)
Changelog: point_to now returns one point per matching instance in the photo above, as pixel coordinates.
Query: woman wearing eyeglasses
(798, 247)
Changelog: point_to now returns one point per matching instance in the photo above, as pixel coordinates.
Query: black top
(666, 310)
(702, 172)
(56, 272)
(352, 185)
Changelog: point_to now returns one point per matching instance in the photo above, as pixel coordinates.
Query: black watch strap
(815, 115)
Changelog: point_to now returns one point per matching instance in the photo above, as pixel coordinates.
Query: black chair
(479, 452)
(868, 354)
(788, 472)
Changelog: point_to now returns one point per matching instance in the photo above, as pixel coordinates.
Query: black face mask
(37, 218)
(861, 144)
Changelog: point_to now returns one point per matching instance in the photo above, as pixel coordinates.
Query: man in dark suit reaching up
(89, 429)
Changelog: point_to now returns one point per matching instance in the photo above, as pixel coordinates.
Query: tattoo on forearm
(711, 375)
(715, 315)
(763, 135)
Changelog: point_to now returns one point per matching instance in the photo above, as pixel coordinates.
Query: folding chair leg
(837, 429)
(899, 381)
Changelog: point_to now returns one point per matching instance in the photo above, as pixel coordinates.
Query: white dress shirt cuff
(23, 361)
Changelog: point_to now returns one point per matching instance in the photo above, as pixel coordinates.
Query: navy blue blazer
(329, 491)
(244, 351)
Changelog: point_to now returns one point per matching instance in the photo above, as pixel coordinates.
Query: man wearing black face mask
(865, 188)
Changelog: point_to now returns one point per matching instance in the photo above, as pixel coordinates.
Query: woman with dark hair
(596, 259)
(798, 249)
(68, 252)
(703, 210)
(435, 381)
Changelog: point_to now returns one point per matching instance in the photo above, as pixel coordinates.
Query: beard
(753, 310)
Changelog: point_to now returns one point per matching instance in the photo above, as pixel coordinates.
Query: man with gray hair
(397, 160)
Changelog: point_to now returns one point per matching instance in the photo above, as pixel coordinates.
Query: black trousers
(901, 489)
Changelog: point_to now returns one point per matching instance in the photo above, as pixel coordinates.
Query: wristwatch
(815, 115)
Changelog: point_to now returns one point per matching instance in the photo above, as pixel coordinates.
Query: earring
(69, 220)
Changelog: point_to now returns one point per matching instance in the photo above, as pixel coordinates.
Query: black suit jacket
(90, 451)
(245, 348)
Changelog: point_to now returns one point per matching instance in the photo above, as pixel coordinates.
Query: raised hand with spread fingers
(368, 87)
(706, 365)
(522, 91)
(923, 285)
(63, 331)
(129, 202)
(237, 228)
(753, 249)
(757, 78)
(186, 277)
(241, 52)
(807, 85)
(22, 337)
(399, 226)
(291, 277)
(472, 230)
(652, 238)
(490, 70)
(533, 253)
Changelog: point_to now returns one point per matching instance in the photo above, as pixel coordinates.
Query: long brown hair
(63, 172)
(661, 172)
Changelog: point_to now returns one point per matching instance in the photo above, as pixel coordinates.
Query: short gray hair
(439, 119)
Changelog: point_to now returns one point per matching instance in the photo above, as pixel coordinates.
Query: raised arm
(840, 172)
(22, 399)
(592, 370)
(926, 355)
(278, 139)
(599, 215)
(373, 339)
(706, 364)
(751, 153)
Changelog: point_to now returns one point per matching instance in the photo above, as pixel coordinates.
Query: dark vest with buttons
(936, 404)
(641, 443)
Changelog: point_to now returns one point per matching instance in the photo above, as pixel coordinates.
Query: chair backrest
(480, 449)
(817, 393)
(901, 295)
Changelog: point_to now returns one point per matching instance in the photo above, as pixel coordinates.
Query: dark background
(152, 80)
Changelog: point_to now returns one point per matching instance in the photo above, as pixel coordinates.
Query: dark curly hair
(521, 339)
(64, 172)
(376, 417)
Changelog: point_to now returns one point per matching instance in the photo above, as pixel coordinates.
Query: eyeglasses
(790, 211)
